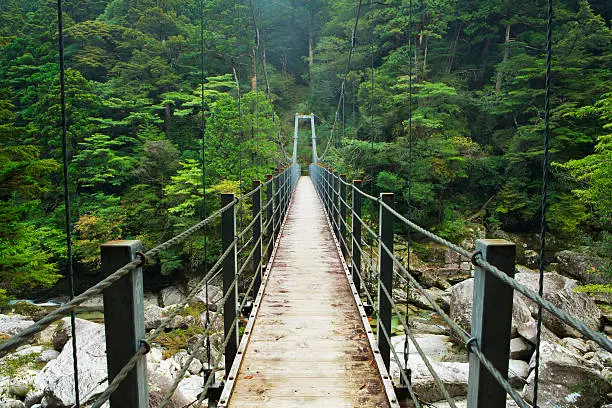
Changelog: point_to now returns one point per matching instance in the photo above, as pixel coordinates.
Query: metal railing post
(257, 236)
(269, 215)
(342, 224)
(335, 204)
(228, 236)
(124, 324)
(385, 269)
(328, 192)
(356, 241)
(491, 323)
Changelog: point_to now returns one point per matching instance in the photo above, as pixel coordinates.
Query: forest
(442, 104)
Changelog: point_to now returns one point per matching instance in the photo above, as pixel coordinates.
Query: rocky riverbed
(574, 372)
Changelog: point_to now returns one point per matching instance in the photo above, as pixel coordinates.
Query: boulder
(33, 398)
(161, 377)
(576, 345)
(95, 303)
(584, 267)
(461, 308)
(57, 379)
(215, 295)
(12, 403)
(559, 290)
(22, 382)
(46, 356)
(182, 357)
(564, 381)
(151, 299)
(171, 295)
(520, 349)
(454, 376)
(63, 331)
(191, 387)
(518, 371)
(153, 316)
(10, 325)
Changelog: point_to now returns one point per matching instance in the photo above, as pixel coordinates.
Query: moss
(594, 288)
(13, 364)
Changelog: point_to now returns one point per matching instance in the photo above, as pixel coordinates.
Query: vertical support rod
(327, 188)
(314, 138)
(356, 241)
(269, 215)
(295, 138)
(124, 323)
(228, 235)
(491, 323)
(335, 204)
(342, 203)
(385, 269)
(277, 204)
(257, 236)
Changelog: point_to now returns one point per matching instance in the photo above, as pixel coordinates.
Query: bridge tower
(314, 136)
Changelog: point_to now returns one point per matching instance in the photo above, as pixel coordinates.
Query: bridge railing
(122, 290)
(494, 285)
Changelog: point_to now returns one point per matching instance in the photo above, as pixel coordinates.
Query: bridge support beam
(385, 270)
(356, 236)
(228, 237)
(491, 323)
(335, 204)
(277, 204)
(124, 324)
(269, 215)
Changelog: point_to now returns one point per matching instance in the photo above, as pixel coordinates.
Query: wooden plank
(307, 345)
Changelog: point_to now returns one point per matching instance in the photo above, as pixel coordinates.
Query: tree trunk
(498, 82)
(483, 59)
(451, 59)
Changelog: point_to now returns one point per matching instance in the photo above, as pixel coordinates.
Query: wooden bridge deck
(307, 346)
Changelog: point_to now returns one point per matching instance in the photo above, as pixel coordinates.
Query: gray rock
(151, 299)
(153, 316)
(191, 387)
(518, 371)
(528, 331)
(94, 304)
(461, 307)
(584, 267)
(12, 403)
(171, 295)
(46, 356)
(520, 349)
(33, 398)
(454, 376)
(10, 325)
(575, 345)
(182, 357)
(564, 381)
(559, 290)
(531, 258)
(63, 331)
(57, 380)
(215, 295)
(22, 383)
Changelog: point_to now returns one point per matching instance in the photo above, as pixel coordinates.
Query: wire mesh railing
(494, 285)
(241, 265)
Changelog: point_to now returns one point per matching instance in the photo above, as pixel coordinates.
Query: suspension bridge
(296, 272)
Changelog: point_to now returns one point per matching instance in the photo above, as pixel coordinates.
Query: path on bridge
(308, 346)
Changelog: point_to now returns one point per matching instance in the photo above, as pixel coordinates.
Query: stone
(576, 345)
(153, 316)
(22, 383)
(564, 381)
(518, 371)
(453, 375)
(191, 387)
(559, 290)
(46, 356)
(531, 258)
(12, 403)
(520, 349)
(195, 367)
(33, 398)
(584, 267)
(11, 325)
(528, 331)
(94, 304)
(171, 295)
(151, 298)
(63, 331)
(215, 295)
(57, 379)
(461, 308)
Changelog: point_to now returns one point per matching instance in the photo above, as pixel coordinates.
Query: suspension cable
(545, 166)
(63, 114)
(204, 172)
(346, 71)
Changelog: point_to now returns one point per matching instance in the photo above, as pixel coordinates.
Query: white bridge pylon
(314, 136)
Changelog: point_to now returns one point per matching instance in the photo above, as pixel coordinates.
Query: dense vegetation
(133, 88)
